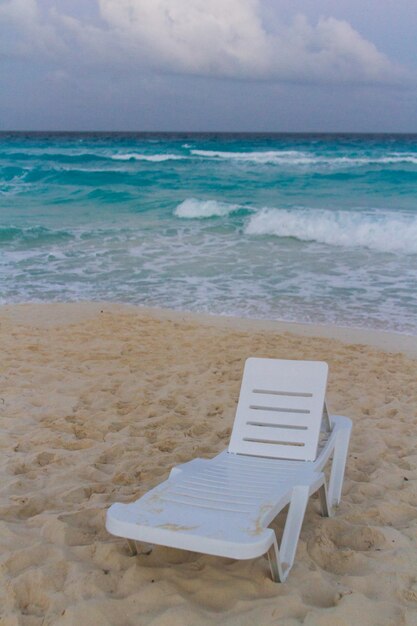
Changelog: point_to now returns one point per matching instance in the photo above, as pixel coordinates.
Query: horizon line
(207, 132)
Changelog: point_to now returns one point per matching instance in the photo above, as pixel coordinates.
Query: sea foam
(33, 234)
(381, 232)
(200, 209)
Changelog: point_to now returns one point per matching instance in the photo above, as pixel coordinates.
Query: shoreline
(53, 314)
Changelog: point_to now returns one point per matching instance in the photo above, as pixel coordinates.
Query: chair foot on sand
(132, 547)
(136, 547)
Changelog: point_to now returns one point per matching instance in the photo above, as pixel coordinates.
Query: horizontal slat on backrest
(280, 409)
(295, 403)
(273, 434)
(295, 453)
(285, 419)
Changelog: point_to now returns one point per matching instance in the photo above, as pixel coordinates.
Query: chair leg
(132, 547)
(274, 564)
(281, 560)
(326, 509)
(136, 548)
(338, 467)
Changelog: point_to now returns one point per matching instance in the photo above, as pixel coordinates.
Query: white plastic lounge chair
(223, 506)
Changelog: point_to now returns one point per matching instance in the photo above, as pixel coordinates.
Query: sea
(299, 227)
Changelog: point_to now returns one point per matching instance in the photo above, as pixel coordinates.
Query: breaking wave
(200, 209)
(381, 232)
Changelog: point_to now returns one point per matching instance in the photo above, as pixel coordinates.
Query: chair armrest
(340, 425)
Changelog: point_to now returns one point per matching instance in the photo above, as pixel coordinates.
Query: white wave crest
(156, 158)
(198, 209)
(268, 156)
(381, 232)
(296, 157)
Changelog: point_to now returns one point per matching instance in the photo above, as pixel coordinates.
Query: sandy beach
(98, 402)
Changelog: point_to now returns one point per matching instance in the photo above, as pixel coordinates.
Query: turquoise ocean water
(308, 228)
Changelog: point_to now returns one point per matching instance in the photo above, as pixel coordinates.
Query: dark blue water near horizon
(301, 227)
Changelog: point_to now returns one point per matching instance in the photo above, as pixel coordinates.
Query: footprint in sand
(386, 514)
(338, 547)
(84, 527)
(33, 590)
(45, 458)
(317, 592)
(24, 507)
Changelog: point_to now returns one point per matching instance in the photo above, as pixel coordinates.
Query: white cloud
(331, 51)
(221, 38)
(210, 37)
(228, 38)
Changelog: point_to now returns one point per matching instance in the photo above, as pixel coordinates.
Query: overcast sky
(206, 65)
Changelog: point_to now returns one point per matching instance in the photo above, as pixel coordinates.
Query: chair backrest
(280, 409)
